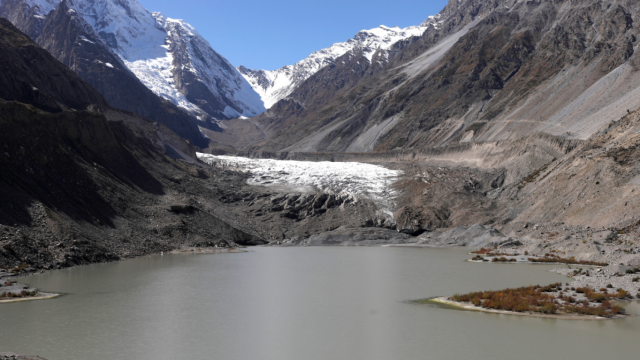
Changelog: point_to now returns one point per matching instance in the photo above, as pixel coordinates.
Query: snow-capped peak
(276, 85)
(168, 56)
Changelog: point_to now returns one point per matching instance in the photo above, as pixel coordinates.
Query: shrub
(596, 297)
(609, 286)
(635, 279)
(622, 294)
(549, 308)
(616, 309)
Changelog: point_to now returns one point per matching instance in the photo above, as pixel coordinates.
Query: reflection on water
(296, 303)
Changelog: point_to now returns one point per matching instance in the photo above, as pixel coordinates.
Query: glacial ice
(353, 178)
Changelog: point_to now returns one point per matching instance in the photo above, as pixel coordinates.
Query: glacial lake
(296, 304)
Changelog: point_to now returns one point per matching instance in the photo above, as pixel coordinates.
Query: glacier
(357, 180)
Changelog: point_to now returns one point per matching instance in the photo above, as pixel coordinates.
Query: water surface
(296, 303)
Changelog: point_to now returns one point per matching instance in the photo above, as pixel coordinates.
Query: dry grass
(550, 258)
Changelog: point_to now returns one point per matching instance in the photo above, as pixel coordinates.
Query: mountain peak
(168, 55)
(276, 85)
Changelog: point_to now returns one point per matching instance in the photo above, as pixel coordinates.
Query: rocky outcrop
(23, 16)
(300, 206)
(414, 220)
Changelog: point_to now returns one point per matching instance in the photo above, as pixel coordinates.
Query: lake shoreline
(14, 356)
(439, 301)
(40, 296)
(4, 276)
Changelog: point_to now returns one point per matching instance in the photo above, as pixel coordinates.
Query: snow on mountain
(276, 85)
(168, 56)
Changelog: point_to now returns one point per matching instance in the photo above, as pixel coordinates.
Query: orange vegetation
(539, 300)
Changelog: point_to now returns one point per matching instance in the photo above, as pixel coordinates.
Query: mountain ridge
(165, 54)
(486, 74)
(276, 85)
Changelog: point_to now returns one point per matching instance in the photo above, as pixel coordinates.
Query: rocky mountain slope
(72, 41)
(492, 70)
(276, 85)
(81, 182)
(138, 50)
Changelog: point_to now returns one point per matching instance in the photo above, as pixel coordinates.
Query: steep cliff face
(31, 75)
(491, 70)
(204, 77)
(74, 42)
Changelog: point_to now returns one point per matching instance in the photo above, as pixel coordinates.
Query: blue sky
(270, 34)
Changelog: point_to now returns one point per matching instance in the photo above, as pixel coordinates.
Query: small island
(553, 301)
(11, 291)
